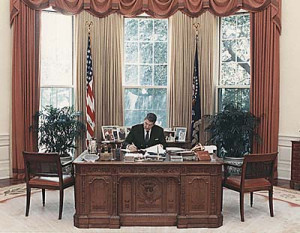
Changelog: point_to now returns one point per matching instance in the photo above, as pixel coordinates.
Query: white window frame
(144, 16)
(218, 86)
(73, 83)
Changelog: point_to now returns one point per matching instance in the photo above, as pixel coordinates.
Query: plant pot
(234, 171)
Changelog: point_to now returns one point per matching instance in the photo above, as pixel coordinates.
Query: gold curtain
(107, 53)
(182, 40)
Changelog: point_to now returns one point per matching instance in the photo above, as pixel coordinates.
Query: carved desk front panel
(112, 194)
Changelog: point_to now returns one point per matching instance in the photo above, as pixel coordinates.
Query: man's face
(148, 125)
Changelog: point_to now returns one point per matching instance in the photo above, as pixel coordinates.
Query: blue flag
(196, 110)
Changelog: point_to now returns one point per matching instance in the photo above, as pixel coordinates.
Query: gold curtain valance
(154, 8)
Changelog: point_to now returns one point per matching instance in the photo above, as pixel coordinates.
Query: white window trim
(167, 87)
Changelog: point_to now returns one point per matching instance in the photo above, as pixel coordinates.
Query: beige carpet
(257, 218)
(13, 191)
(290, 196)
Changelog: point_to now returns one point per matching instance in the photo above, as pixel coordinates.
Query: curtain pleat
(264, 92)
(182, 50)
(154, 8)
(25, 85)
(107, 53)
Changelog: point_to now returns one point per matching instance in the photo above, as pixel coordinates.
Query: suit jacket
(136, 136)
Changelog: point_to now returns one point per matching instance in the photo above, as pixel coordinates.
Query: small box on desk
(203, 155)
(106, 156)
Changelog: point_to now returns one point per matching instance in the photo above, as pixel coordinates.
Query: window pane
(160, 30)
(160, 75)
(228, 73)
(238, 96)
(243, 50)
(228, 27)
(243, 74)
(131, 52)
(160, 52)
(243, 25)
(56, 49)
(131, 97)
(131, 74)
(146, 53)
(228, 51)
(146, 74)
(146, 30)
(131, 29)
(140, 101)
(57, 97)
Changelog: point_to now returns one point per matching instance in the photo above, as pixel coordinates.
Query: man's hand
(132, 148)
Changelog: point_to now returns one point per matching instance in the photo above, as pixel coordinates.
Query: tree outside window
(145, 69)
(234, 79)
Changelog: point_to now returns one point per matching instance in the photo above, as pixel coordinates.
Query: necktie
(147, 136)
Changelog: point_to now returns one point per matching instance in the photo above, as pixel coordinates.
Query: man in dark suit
(145, 135)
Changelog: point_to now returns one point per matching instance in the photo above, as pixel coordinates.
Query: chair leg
(43, 196)
(27, 200)
(271, 202)
(251, 199)
(61, 199)
(242, 206)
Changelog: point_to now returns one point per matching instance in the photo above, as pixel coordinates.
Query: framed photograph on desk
(122, 133)
(169, 135)
(109, 133)
(180, 134)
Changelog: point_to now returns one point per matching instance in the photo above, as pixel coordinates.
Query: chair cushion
(50, 181)
(259, 183)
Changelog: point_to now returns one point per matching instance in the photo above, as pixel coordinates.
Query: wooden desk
(185, 145)
(295, 166)
(114, 194)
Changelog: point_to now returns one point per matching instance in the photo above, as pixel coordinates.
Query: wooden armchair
(44, 171)
(257, 174)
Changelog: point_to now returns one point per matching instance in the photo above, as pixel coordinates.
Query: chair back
(42, 164)
(259, 166)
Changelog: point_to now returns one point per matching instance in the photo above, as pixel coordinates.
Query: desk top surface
(80, 160)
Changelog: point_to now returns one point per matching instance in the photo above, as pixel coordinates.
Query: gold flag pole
(89, 24)
(196, 27)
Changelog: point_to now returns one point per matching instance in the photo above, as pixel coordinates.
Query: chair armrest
(64, 164)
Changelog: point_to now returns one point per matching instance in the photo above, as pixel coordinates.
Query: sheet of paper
(155, 149)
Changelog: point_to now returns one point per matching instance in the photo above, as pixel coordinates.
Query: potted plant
(232, 131)
(58, 128)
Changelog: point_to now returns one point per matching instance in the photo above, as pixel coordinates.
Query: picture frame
(109, 132)
(169, 135)
(122, 133)
(128, 128)
(180, 134)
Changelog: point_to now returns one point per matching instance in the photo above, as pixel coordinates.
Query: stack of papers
(157, 149)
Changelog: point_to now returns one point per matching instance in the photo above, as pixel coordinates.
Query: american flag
(90, 104)
(196, 111)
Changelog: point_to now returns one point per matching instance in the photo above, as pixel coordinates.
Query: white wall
(5, 88)
(289, 123)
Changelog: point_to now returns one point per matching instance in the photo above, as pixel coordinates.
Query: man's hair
(151, 117)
